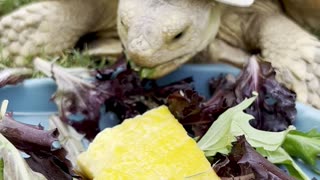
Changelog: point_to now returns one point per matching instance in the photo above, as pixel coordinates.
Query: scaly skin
(163, 34)
(51, 27)
(293, 51)
(153, 41)
(262, 27)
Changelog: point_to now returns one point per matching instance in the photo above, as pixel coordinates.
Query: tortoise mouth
(161, 69)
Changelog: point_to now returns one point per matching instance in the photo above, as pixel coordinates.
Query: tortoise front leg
(221, 51)
(105, 47)
(294, 53)
(51, 27)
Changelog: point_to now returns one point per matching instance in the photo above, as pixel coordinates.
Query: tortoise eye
(178, 36)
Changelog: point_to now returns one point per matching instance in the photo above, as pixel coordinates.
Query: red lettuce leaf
(244, 160)
(77, 97)
(52, 164)
(46, 155)
(117, 88)
(132, 95)
(274, 109)
(13, 76)
(28, 138)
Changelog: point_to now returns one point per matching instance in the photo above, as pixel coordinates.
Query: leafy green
(76, 96)
(11, 76)
(14, 165)
(218, 138)
(273, 110)
(280, 156)
(143, 72)
(73, 59)
(267, 140)
(70, 139)
(305, 146)
(244, 160)
(29, 138)
(234, 122)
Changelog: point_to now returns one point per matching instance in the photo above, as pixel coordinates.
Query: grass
(69, 59)
(7, 6)
(74, 58)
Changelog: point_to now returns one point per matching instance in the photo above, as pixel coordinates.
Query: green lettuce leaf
(281, 157)
(218, 137)
(305, 146)
(234, 122)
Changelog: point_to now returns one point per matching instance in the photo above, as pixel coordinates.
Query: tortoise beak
(165, 68)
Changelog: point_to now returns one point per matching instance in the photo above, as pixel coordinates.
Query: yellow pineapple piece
(151, 146)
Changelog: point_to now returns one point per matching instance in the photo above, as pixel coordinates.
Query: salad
(251, 104)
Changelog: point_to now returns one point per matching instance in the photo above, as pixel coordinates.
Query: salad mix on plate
(244, 128)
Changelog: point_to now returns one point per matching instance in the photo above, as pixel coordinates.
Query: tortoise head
(163, 34)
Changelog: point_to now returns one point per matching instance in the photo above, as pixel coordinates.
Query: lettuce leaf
(28, 138)
(244, 161)
(305, 146)
(14, 165)
(11, 76)
(234, 122)
(84, 98)
(281, 157)
(71, 140)
(274, 109)
(219, 137)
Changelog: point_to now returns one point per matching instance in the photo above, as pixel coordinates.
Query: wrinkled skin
(263, 28)
(163, 34)
(51, 27)
(165, 43)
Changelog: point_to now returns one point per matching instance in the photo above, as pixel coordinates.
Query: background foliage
(7, 6)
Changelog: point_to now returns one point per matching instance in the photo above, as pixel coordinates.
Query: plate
(30, 100)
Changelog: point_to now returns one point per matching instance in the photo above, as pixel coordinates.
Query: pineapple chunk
(151, 146)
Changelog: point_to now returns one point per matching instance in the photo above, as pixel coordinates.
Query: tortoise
(164, 34)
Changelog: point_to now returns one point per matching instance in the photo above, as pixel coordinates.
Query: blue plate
(30, 101)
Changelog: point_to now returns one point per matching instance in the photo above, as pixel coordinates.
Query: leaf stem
(28, 138)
